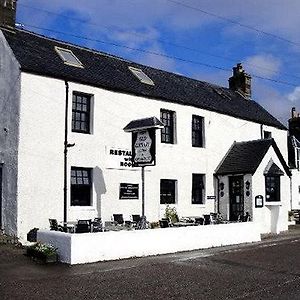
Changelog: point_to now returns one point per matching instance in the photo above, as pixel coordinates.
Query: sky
(201, 39)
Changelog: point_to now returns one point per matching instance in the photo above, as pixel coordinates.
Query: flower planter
(41, 257)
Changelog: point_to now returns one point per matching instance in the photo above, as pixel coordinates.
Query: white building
(206, 155)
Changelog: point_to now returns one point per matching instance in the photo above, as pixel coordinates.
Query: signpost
(143, 150)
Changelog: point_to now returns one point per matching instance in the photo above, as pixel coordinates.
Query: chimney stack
(240, 81)
(8, 10)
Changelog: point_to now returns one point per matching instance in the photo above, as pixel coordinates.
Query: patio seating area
(118, 223)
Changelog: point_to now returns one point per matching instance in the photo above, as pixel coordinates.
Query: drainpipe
(261, 131)
(291, 193)
(66, 155)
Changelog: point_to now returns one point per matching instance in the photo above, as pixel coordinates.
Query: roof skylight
(141, 75)
(68, 57)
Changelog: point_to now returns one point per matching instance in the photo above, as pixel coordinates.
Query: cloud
(262, 65)
(295, 95)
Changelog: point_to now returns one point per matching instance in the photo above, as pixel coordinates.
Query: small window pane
(167, 133)
(198, 190)
(197, 131)
(81, 113)
(80, 187)
(167, 191)
(68, 57)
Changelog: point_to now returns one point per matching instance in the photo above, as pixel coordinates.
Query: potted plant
(43, 252)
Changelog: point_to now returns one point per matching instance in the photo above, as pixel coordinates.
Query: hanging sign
(143, 148)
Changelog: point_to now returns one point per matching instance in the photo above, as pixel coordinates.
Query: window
(141, 75)
(267, 134)
(167, 133)
(81, 186)
(198, 191)
(81, 113)
(272, 188)
(68, 57)
(167, 191)
(197, 131)
(297, 150)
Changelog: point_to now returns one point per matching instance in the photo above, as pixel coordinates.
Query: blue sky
(191, 30)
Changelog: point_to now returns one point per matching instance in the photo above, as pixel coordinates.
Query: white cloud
(262, 65)
(295, 95)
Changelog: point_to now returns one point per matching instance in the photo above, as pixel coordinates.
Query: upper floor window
(68, 57)
(167, 191)
(267, 134)
(81, 186)
(198, 191)
(81, 113)
(197, 131)
(167, 133)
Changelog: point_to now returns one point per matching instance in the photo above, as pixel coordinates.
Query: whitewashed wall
(295, 189)
(41, 153)
(273, 217)
(93, 247)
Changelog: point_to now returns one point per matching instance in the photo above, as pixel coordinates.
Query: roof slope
(245, 157)
(36, 54)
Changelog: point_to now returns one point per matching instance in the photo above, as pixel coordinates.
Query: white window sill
(81, 208)
(273, 203)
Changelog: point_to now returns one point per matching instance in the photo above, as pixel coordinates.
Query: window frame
(85, 188)
(168, 137)
(274, 196)
(77, 63)
(172, 193)
(87, 113)
(197, 188)
(198, 142)
(267, 134)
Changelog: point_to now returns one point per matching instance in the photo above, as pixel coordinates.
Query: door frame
(233, 213)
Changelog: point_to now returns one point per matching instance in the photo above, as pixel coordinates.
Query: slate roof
(36, 54)
(152, 122)
(245, 157)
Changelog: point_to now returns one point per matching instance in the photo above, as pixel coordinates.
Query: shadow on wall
(100, 187)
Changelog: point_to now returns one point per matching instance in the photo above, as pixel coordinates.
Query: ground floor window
(167, 191)
(272, 188)
(81, 186)
(198, 190)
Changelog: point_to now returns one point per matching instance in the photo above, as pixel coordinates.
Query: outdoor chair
(136, 219)
(199, 221)
(97, 225)
(164, 223)
(55, 226)
(83, 226)
(118, 219)
(207, 219)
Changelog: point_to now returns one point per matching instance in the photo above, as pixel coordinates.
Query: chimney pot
(240, 81)
(8, 13)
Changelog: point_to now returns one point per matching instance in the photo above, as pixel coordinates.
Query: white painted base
(101, 246)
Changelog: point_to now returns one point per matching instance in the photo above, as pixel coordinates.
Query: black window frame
(168, 191)
(197, 131)
(267, 134)
(167, 117)
(79, 114)
(81, 186)
(198, 188)
(272, 182)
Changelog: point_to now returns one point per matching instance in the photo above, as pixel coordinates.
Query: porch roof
(245, 157)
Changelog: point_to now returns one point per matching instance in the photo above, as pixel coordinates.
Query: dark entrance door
(236, 197)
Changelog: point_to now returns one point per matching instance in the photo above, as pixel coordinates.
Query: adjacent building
(219, 150)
